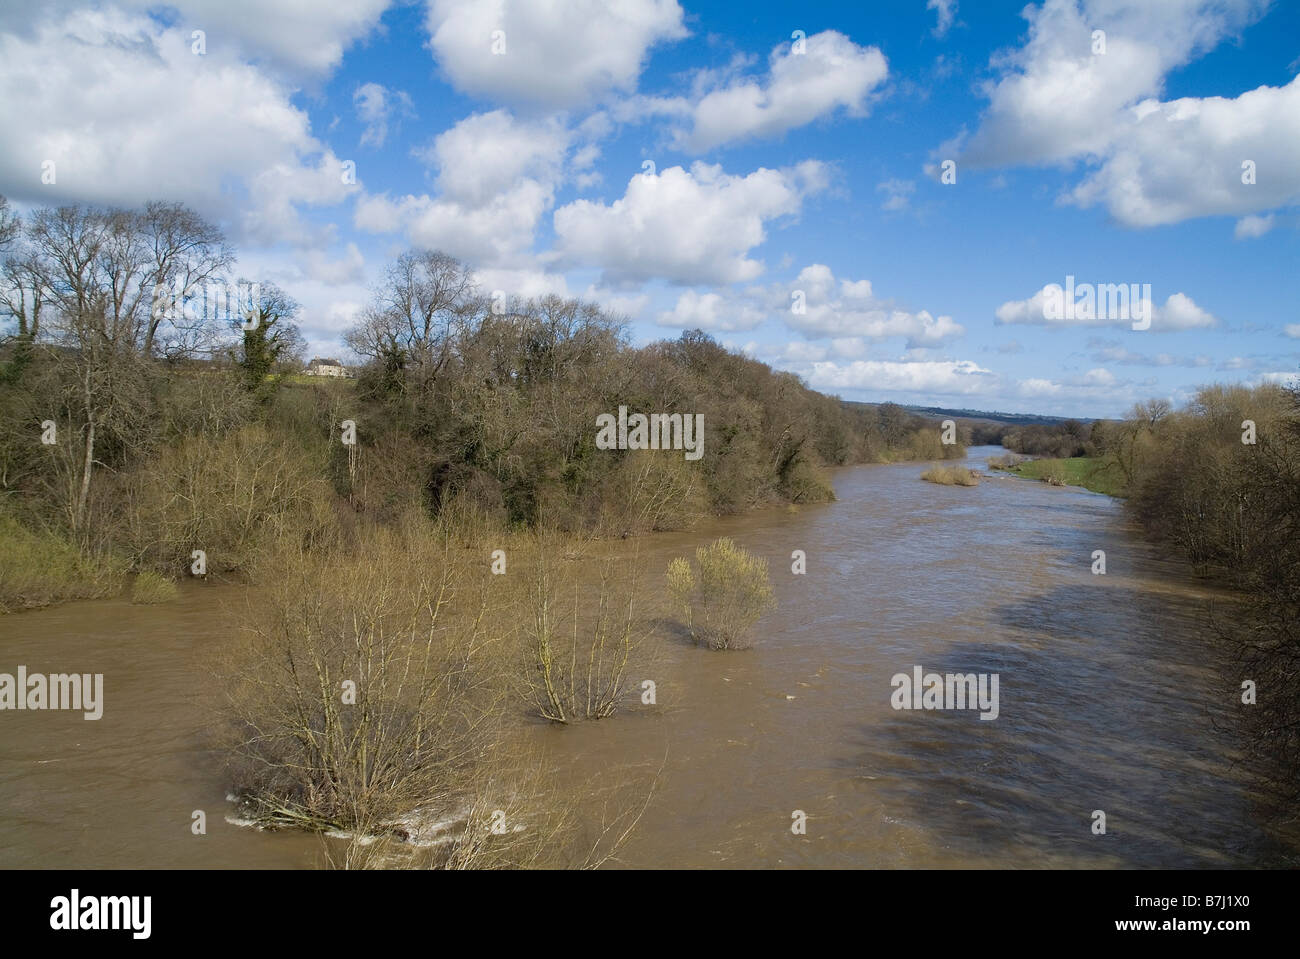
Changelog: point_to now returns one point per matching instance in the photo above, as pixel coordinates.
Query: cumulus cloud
(1251, 227)
(1150, 162)
(521, 283)
(1200, 157)
(301, 40)
(929, 377)
(488, 154)
(350, 268)
(851, 309)
(1179, 311)
(496, 178)
(831, 73)
(694, 226)
(494, 233)
(558, 54)
(711, 311)
(127, 113)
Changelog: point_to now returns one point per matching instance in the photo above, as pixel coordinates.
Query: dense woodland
(176, 429)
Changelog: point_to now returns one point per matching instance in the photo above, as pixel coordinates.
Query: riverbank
(1092, 473)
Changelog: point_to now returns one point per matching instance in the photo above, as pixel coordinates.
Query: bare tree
(425, 298)
(95, 274)
(184, 250)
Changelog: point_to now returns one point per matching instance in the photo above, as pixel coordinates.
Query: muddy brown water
(1113, 696)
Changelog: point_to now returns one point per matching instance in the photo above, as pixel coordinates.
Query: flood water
(1113, 696)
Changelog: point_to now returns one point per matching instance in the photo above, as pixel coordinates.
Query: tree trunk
(89, 462)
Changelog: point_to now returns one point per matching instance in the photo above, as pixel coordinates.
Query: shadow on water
(1088, 720)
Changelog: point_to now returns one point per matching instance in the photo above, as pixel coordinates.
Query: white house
(320, 367)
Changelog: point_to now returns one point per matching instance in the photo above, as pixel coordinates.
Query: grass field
(1090, 472)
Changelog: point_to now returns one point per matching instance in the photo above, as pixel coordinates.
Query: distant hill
(982, 416)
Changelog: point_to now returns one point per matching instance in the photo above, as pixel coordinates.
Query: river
(1113, 696)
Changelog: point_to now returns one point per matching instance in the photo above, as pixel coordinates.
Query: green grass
(302, 379)
(1090, 472)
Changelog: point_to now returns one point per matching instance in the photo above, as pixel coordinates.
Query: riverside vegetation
(131, 438)
(383, 665)
(1218, 481)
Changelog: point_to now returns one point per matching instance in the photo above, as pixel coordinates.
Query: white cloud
(1293, 330)
(942, 377)
(710, 311)
(524, 284)
(832, 73)
(945, 11)
(127, 114)
(349, 268)
(1179, 312)
(376, 106)
(687, 227)
(898, 193)
(630, 306)
(558, 53)
(488, 154)
(1152, 162)
(1251, 227)
(1280, 377)
(1182, 159)
(497, 176)
(498, 232)
(1098, 377)
(851, 310)
(295, 38)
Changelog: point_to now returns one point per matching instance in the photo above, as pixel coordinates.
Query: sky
(883, 198)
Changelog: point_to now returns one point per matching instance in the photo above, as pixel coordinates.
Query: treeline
(1220, 481)
(138, 424)
(1059, 440)
(494, 407)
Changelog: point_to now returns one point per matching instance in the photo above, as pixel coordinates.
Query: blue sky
(781, 171)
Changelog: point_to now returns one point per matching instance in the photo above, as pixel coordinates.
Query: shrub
(804, 482)
(367, 688)
(951, 476)
(232, 496)
(581, 642)
(1008, 461)
(724, 595)
(38, 568)
(150, 588)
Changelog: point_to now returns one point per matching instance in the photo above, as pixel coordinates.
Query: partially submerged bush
(724, 595)
(580, 640)
(368, 687)
(1007, 461)
(951, 476)
(375, 699)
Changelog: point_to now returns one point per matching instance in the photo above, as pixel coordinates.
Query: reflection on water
(1112, 696)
